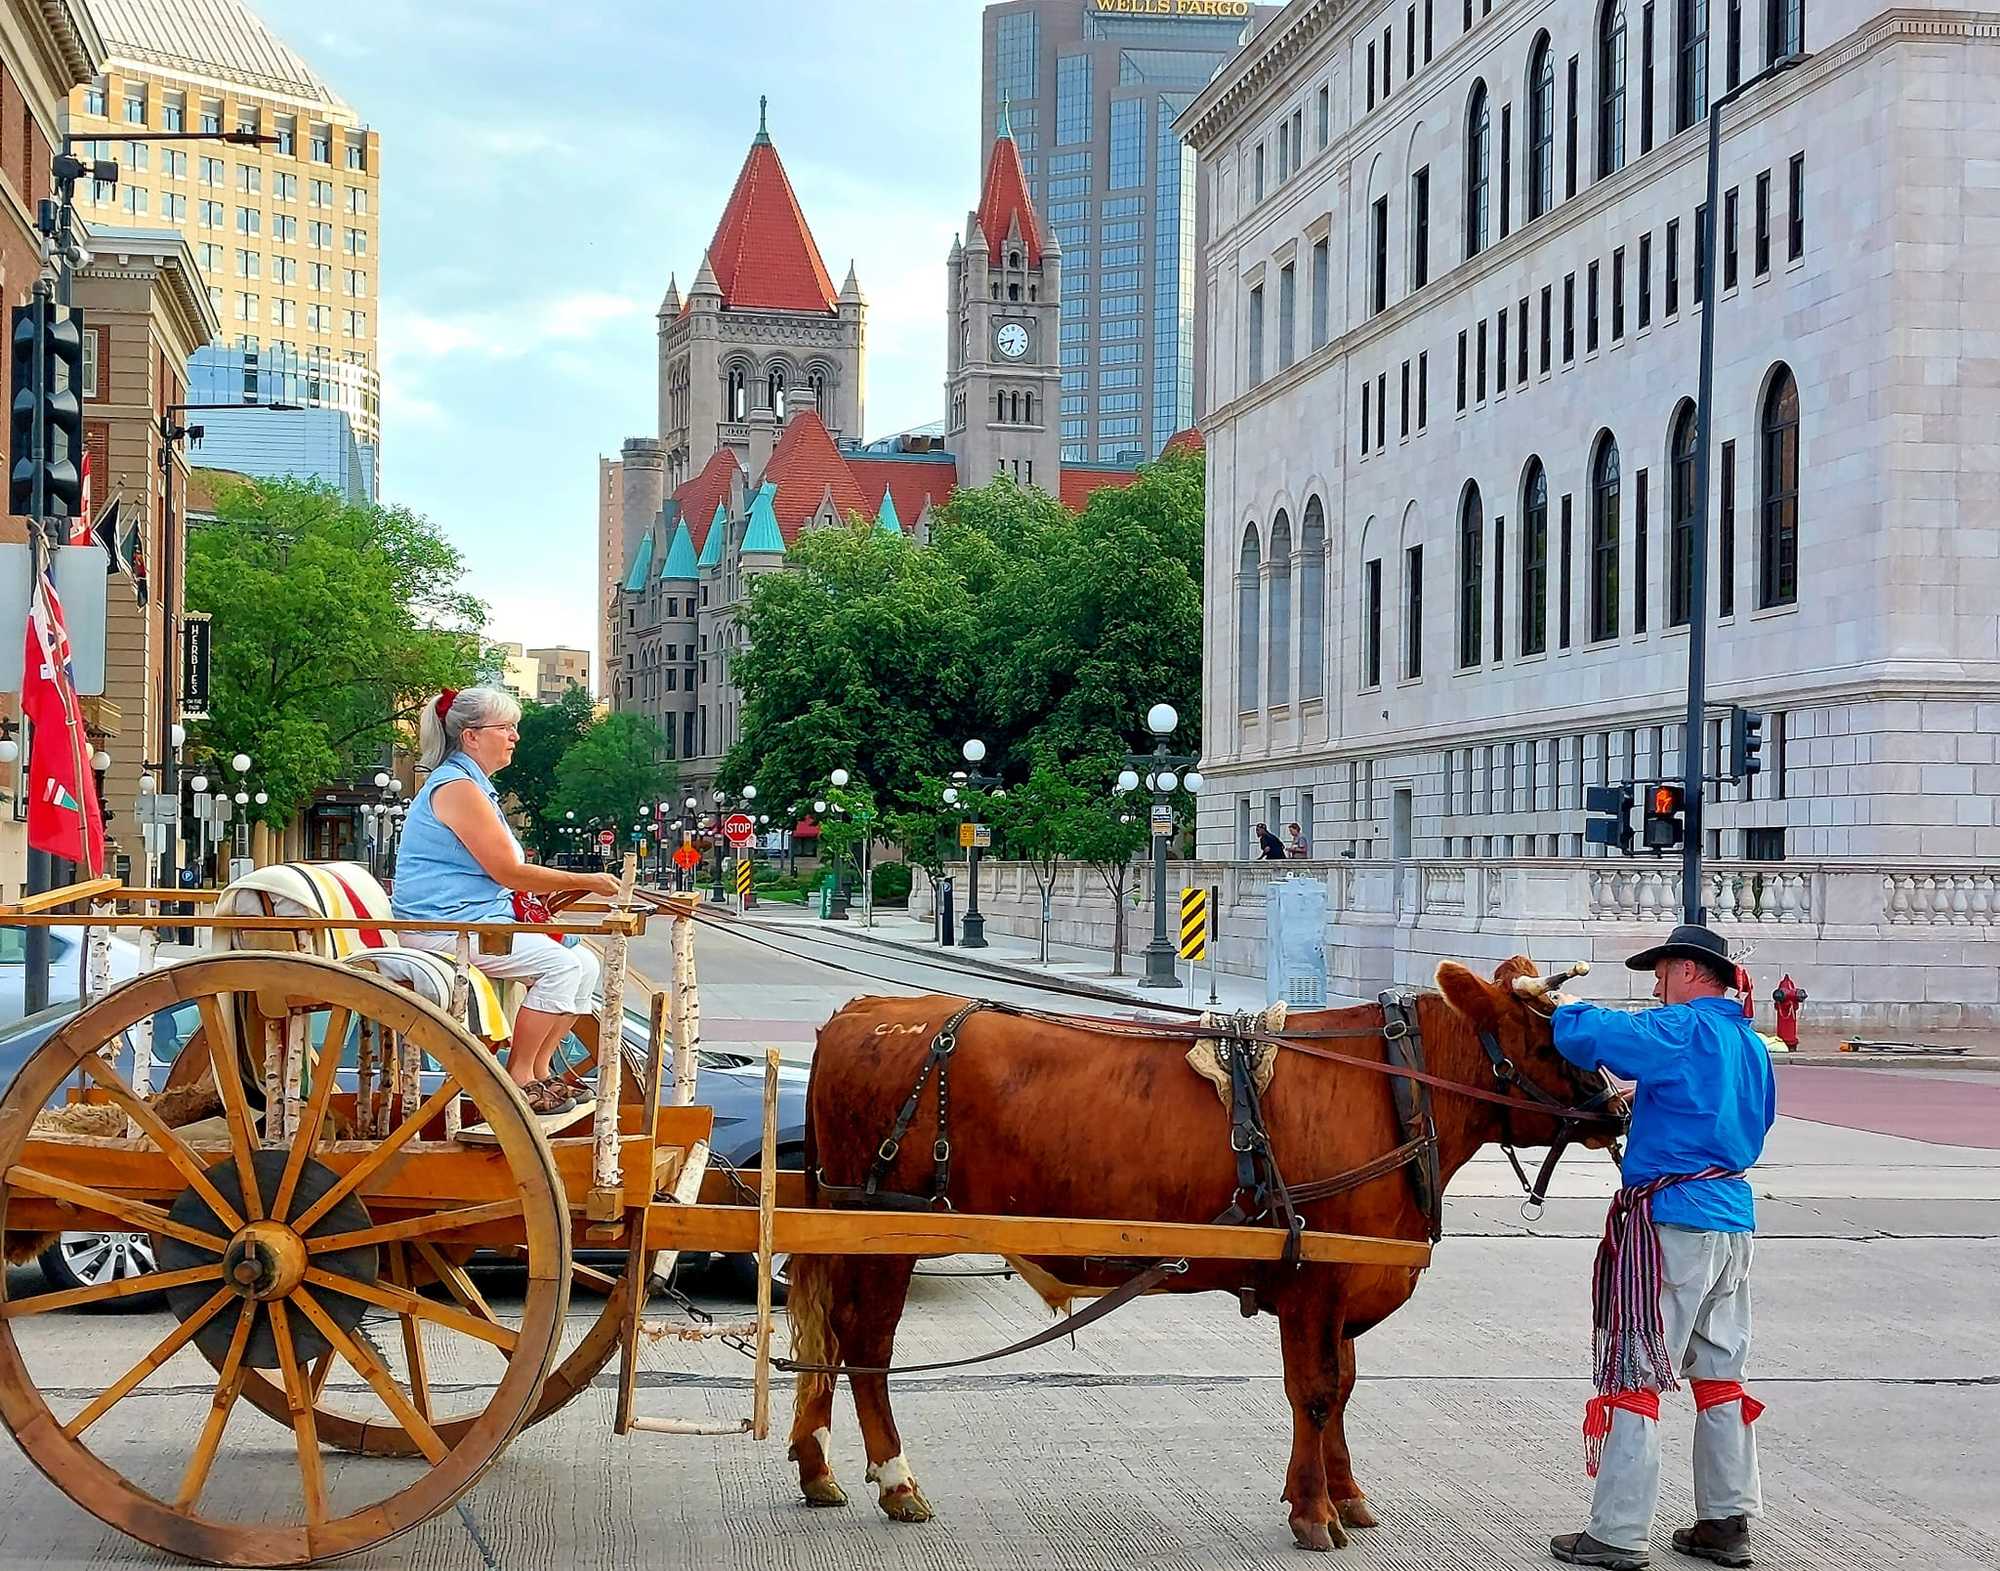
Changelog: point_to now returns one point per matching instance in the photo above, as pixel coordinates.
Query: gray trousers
(1705, 1309)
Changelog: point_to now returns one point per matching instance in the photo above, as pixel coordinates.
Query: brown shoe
(1580, 1549)
(1726, 1542)
(545, 1099)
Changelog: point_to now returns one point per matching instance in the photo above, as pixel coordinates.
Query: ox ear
(1477, 999)
(1518, 966)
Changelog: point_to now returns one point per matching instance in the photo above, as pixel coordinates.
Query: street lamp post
(863, 813)
(1693, 765)
(972, 933)
(1160, 778)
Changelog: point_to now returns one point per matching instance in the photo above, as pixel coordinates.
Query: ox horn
(1540, 986)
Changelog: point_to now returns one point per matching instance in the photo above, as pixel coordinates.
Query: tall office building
(285, 233)
(1092, 88)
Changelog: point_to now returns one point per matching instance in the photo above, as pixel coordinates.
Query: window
(1569, 317)
(1256, 335)
(1784, 29)
(1563, 574)
(357, 286)
(209, 255)
(211, 116)
(1413, 613)
(1548, 291)
(1423, 389)
(1732, 59)
(1128, 144)
(1681, 500)
(287, 130)
(1641, 553)
(1427, 32)
(249, 179)
(1420, 228)
(1590, 310)
(1461, 372)
(1479, 383)
(1604, 540)
(1500, 352)
(1381, 409)
(1701, 255)
(1259, 161)
(1506, 168)
(1646, 78)
(173, 163)
(135, 106)
(246, 308)
(1371, 621)
(1325, 115)
(1611, 89)
(1471, 576)
(1478, 136)
(210, 215)
(1535, 560)
(1726, 532)
(284, 313)
(320, 145)
(1312, 603)
(1284, 153)
(1778, 489)
(1645, 281)
(319, 276)
(1521, 366)
(285, 187)
(1760, 257)
(249, 264)
(1322, 285)
(210, 171)
(1691, 66)
(1388, 57)
(94, 102)
(319, 193)
(356, 324)
(1796, 216)
(173, 206)
(1403, 423)
(1371, 75)
(1673, 266)
(1278, 682)
(284, 227)
(133, 199)
(1729, 238)
(1072, 99)
(355, 242)
(357, 199)
(1379, 294)
(249, 221)
(1249, 620)
(319, 236)
(1541, 128)
(1499, 587)
(1410, 41)
(1298, 140)
(1367, 395)
(357, 152)
(1569, 134)
(1617, 294)
(1288, 303)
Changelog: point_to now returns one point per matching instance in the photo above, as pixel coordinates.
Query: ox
(1059, 1120)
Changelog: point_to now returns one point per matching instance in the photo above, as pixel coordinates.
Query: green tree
(548, 732)
(608, 771)
(1107, 834)
(1032, 822)
(333, 620)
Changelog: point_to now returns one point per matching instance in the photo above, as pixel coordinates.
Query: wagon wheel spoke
(104, 1292)
(457, 1282)
(589, 1276)
(306, 1136)
(299, 1395)
(413, 1335)
(171, 1145)
(228, 1386)
(414, 1227)
(365, 1364)
(169, 1345)
(407, 1303)
(143, 1218)
(316, 1376)
(226, 1065)
(375, 1160)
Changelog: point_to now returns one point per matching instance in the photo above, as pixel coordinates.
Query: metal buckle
(1505, 1071)
(945, 1045)
(1395, 1030)
(941, 1151)
(886, 1152)
(1249, 1143)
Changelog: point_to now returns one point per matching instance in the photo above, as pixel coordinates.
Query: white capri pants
(562, 978)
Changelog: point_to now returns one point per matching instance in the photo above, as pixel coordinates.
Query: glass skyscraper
(1092, 93)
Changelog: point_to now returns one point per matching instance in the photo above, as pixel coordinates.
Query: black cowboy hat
(1688, 942)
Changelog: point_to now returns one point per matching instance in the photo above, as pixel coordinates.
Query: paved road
(1159, 1440)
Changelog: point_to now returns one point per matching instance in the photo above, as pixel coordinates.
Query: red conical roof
(763, 253)
(1005, 198)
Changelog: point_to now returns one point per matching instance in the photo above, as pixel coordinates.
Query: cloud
(578, 316)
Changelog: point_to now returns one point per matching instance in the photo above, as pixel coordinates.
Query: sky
(546, 168)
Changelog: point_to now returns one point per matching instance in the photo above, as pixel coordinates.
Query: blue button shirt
(1705, 1098)
(437, 879)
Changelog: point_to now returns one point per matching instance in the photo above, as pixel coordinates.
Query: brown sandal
(545, 1099)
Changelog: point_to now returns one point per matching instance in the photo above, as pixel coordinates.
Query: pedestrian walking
(1269, 847)
(1670, 1292)
(1295, 841)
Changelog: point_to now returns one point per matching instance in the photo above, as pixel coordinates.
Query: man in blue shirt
(1671, 1294)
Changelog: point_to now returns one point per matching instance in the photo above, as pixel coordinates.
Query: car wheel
(90, 1259)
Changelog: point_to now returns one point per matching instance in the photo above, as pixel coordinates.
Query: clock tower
(1003, 388)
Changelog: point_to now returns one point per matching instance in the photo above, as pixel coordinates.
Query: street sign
(687, 858)
(1163, 819)
(980, 835)
(195, 646)
(738, 828)
(745, 876)
(605, 837)
(1194, 924)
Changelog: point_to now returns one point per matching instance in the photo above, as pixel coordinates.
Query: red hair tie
(445, 700)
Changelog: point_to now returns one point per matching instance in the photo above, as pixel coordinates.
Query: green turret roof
(763, 535)
(680, 561)
(642, 565)
(886, 520)
(711, 548)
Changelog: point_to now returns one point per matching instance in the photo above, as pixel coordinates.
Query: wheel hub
(266, 1260)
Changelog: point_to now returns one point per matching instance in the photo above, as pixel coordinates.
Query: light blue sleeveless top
(437, 879)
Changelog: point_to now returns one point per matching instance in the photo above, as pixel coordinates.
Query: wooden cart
(312, 1237)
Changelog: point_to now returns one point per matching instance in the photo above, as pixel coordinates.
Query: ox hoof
(1318, 1536)
(905, 1504)
(1357, 1513)
(823, 1491)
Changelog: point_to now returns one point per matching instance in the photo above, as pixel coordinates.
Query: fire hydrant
(1788, 995)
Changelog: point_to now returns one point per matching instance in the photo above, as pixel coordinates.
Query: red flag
(79, 526)
(64, 818)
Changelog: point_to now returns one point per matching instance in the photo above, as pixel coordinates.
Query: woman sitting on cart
(459, 862)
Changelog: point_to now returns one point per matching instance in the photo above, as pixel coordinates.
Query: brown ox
(1062, 1121)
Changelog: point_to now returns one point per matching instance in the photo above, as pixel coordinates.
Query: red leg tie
(1597, 1420)
(1720, 1393)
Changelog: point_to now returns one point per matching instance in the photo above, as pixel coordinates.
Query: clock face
(1012, 340)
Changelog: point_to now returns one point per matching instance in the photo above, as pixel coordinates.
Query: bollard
(947, 929)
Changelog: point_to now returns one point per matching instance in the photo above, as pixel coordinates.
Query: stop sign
(737, 829)
(604, 837)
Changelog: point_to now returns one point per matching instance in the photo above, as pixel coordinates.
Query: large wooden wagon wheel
(278, 1243)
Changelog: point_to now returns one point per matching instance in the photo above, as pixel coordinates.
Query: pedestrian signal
(1610, 821)
(1664, 804)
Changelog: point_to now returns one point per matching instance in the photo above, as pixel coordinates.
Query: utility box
(1295, 942)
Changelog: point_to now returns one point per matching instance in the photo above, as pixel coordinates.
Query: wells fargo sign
(1231, 8)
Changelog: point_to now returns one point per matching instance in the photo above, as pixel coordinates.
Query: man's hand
(1555, 999)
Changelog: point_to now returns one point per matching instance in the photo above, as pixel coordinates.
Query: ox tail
(809, 1301)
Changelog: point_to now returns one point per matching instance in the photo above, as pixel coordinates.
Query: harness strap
(938, 1057)
(1402, 1038)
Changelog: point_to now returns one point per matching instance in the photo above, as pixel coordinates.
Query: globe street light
(1160, 778)
(240, 763)
(972, 933)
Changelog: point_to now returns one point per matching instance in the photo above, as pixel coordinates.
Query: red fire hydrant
(1788, 995)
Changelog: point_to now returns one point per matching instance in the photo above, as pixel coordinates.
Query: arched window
(999, 406)
(1534, 559)
(1691, 68)
(1249, 620)
(1784, 29)
(1682, 501)
(1604, 539)
(1471, 575)
(1312, 603)
(1778, 494)
(1279, 683)
(774, 389)
(1013, 258)
(736, 398)
(1611, 89)
(1478, 147)
(816, 380)
(1541, 128)
(1028, 405)
(1013, 291)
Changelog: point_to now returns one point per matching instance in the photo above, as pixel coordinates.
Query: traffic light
(1610, 821)
(46, 359)
(1746, 743)
(1663, 817)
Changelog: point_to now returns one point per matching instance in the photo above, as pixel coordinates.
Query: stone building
(1455, 296)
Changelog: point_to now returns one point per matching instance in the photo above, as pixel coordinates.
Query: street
(1159, 1439)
